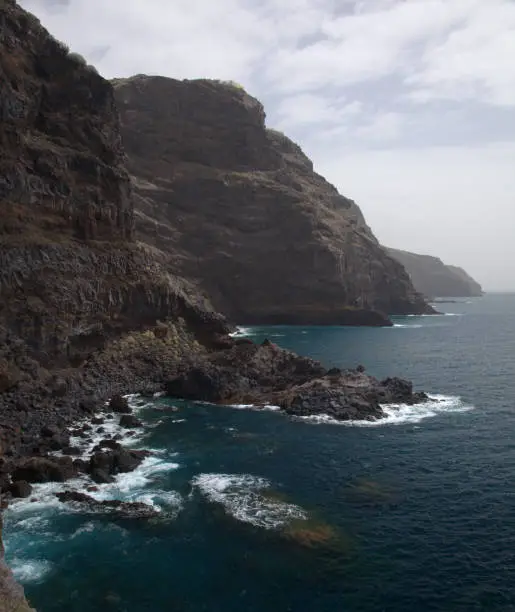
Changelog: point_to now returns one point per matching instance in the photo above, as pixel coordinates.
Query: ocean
(261, 512)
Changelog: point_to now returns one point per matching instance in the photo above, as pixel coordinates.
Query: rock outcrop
(241, 213)
(433, 278)
(268, 375)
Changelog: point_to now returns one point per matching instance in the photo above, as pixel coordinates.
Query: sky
(407, 106)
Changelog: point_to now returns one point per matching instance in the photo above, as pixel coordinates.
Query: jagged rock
(240, 211)
(43, 469)
(123, 509)
(116, 461)
(128, 421)
(267, 374)
(433, 278)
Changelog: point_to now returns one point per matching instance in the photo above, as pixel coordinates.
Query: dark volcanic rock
(120, 508)
(20, 489)
(86, 311)
(433, 278)
(240, 211)
(116, 461)
(44, 469)
(100, 476)
(350, 395)
(245, 371)
(129, 421)
(119, 405)
(268, 375)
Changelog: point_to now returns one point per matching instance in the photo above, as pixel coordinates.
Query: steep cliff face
(433, 278)
(73, 280)
(244, 216)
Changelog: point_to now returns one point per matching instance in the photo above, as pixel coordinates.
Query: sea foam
(242, 497)
(399, 414)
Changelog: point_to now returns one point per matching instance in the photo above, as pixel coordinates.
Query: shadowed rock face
(433, 278)
(244, 216)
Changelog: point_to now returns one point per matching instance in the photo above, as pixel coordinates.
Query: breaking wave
(242, 496)
(399, 414)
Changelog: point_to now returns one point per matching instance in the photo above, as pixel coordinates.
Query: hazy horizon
(406, 106)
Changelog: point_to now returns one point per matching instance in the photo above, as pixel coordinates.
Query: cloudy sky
(407, 106)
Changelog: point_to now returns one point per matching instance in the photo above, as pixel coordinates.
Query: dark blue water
(260, 512)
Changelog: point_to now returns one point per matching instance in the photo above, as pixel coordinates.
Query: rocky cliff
(242, 214)
(433, 278)
(74, 282)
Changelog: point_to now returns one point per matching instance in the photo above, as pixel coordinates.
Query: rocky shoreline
(240, 373)
(41, 446)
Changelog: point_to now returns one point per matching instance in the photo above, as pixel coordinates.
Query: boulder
(120, 405)
(116, 461)
(128, 421)
(44, 469)
(100, 476)
(20, 489)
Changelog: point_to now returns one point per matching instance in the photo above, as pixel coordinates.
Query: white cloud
(368, 87)
(305, 109)
(475, 61)
(381, 127)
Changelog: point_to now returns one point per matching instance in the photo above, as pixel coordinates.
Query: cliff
(74, 282)
(242, 214)
(433, 278)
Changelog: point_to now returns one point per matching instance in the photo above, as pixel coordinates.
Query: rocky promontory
(265, 374)
(241, 213)
(433, 278)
